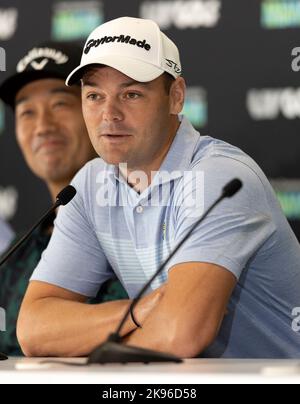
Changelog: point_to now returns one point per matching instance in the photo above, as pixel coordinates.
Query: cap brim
(133, 68)
(11, 86)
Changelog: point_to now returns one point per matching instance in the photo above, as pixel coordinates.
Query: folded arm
(56, 322)
(188, 317)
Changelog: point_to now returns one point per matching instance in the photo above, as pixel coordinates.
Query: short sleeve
(74, 259)
(235, 230)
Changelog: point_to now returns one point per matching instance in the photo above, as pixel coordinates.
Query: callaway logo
(46, 54)
(94, 43)
(41, 65)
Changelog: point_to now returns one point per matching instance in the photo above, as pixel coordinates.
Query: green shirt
(14, 279)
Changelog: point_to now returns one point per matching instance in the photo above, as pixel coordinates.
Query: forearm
(168, 335)
(176, 331)
(57, 327)
(189, 315)
(157, 332)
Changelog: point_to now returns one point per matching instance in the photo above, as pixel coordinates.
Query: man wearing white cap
(155, 177)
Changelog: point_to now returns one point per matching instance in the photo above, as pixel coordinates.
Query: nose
(45, 123)
(112, 111)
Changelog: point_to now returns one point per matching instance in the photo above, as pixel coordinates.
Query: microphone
(232, 188)
(113, 351)
(62, 199)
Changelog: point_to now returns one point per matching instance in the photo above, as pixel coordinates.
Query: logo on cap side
(174, 66)
(94, 43)
(38, 53)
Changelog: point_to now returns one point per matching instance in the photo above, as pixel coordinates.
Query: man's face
(128, 122)
(51, 131)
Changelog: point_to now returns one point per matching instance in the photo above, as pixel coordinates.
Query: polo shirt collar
(180, 155)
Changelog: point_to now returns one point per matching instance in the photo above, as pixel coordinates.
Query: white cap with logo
(133, 46)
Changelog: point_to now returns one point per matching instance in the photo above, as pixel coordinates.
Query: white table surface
(192, 371)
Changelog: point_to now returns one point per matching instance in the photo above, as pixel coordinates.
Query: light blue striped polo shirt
(109, 229)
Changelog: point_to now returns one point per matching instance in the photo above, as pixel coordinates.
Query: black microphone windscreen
(232, 188)
(66, 195)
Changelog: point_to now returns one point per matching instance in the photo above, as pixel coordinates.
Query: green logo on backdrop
(195, 107)
(280, 14)
(74, 20)
(288, 194)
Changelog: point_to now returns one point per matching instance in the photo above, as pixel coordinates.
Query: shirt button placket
(139, 226)
(140, 209)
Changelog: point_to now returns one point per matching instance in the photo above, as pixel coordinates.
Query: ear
(177, 96)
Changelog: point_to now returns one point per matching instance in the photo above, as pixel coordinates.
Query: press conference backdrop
(241, 59)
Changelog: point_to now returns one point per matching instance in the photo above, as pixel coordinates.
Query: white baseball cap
(133, 46)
